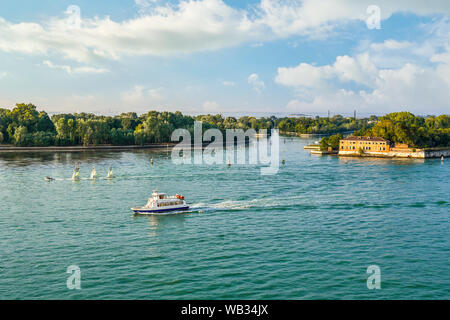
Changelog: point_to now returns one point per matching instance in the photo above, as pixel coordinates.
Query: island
(395, 135)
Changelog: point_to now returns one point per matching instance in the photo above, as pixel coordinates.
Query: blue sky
(210, 56)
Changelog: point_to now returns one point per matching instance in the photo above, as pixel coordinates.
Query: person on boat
(94, 173)
(110, 173)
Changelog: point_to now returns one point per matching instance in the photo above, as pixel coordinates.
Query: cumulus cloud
(316, 18)
(192, 26)
(411, 86)
(166, 30)
(257, 84)
(359, 70)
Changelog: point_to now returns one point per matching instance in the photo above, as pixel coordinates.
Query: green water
(309, 232)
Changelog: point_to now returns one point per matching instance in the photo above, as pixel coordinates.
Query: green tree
(333, 141)
(324, 144)
(20, 136)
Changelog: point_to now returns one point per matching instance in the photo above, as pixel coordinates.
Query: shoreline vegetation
(426, 133)
(24, 128)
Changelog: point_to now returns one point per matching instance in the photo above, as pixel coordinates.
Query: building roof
(357, 138)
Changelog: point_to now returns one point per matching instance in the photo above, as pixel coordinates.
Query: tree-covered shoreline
(405, 127)
(25, 126)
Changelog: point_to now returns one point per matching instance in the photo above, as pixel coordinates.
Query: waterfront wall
(390, 154)
(437, 153)
(420, 154)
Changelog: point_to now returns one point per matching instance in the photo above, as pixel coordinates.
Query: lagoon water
(309, 232)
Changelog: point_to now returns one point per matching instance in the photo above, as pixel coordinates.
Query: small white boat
(110, 174)
(160, 204)
(76, 175)
(94, 174)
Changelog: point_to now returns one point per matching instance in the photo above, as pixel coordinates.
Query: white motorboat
(160, 204)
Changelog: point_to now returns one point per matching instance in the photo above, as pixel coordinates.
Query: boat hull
(143, 211)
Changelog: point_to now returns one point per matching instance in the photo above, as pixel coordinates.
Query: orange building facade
(367, 144)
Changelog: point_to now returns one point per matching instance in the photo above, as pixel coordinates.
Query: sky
(226, 56)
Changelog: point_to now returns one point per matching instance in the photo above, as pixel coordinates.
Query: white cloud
(3, 75)
(75, 70)
(345, 69)
(410, 87)
(192, 26)
(257, 84)
(391, 45)
(316, 18)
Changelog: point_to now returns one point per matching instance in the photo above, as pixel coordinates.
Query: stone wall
(419, 154)
(437, 153)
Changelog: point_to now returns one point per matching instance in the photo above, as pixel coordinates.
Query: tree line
(25, 126)
(324, 125)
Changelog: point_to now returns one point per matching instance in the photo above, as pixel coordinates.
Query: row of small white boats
(76, 175)
(94, 174)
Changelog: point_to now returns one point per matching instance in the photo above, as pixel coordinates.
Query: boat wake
(257, 203)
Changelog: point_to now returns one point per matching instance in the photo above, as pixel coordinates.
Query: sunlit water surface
(309, 232)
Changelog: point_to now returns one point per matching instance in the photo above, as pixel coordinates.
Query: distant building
(367, 144)
(379, 147)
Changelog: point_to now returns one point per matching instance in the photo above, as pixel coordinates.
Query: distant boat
(49, 179)
(76, 175)
(161, 204)
(110, 173)
(94, 174)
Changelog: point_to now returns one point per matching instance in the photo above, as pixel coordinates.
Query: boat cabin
(162, 200)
